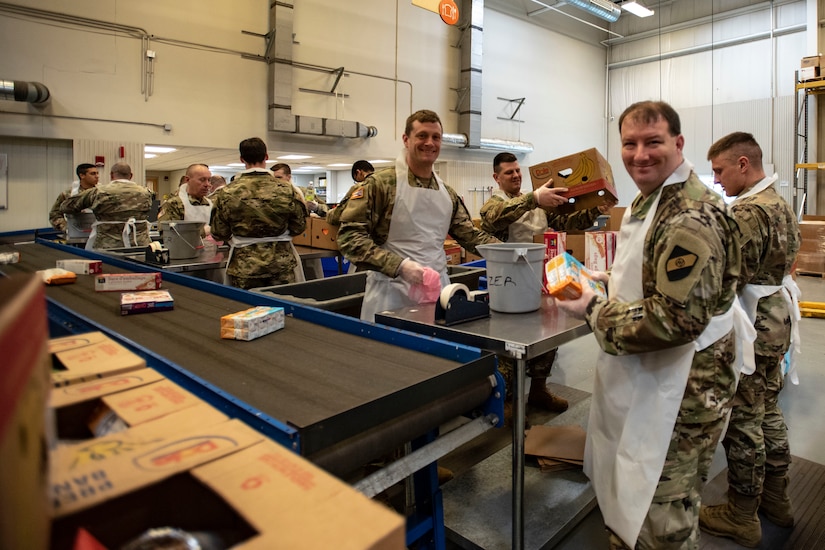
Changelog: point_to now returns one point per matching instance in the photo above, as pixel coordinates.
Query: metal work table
(521, 336)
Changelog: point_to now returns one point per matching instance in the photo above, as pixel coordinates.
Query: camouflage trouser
(537, 367)
(757, 437)
(256, 282)
(672, 521)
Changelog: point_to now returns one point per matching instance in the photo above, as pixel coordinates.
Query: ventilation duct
(461, 140)
(31, 92)
(600, 8)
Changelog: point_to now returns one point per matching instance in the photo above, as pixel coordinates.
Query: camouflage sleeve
(55, 215)
(462, 228)
(582, 219)
(81, 201)
(298, 215)
(334, 215)
(685, 259)
(365, 225)
(751, 220)
(171, 209)
(498, 214)
(218, 222)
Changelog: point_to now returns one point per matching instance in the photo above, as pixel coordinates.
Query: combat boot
(541, 397)
(775, 503)
(736, 519)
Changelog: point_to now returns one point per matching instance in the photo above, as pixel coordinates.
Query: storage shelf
(812, 86)
(810, 166)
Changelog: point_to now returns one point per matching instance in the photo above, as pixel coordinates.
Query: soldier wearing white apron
(756, 441)
(667, 372)
(516, 217)
(191, 202)
(395, 224)
(87, 177)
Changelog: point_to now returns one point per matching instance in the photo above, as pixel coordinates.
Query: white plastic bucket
(513, 275)
(182, 238)
(79, 226)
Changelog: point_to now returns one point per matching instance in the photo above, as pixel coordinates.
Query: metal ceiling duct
(600, 8)
(17, 90)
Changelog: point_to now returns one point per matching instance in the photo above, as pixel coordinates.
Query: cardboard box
(452, 250)
(25, 430)
(468, 257)
(305, 238)
(587, 175)
(81, 267)
(808, 73)
(614, 222)
(109, 282)
(324, 235)
(84, 357)
(575, 246)
(810, 262)
(147, 301)
(811, 61)
(599, 250)
(813, 236)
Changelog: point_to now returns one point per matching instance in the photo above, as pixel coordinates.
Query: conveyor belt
(332, 387)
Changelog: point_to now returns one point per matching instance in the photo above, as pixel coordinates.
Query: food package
(565, 275)
(81, 267)
(57, 276)
(147, 301)
(9, 257)
(108, 282)
(252, 323)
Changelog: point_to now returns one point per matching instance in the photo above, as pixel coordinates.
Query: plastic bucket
(182, 238)
(79, 226)
(513, 275)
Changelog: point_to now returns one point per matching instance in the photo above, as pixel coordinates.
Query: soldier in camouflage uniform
(513, 216)
(315, 205)
(196, 186)
(757, 438)
(396, 248)
(121, 208)
(87, 177)
(666, 377)
(361, 169)
(258, 214)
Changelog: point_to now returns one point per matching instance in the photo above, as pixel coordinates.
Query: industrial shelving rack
(802, 106)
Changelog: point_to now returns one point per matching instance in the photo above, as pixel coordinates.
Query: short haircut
(738, 144)
(281, 166)
(422, 116)
(253, 150)
(217, 179)
(652, 111)
(503, 157)
(191, 166)
(83, 168)
(121, 171)
(362, 165)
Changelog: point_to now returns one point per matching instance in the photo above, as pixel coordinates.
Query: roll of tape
(155, 246)
(449, 291)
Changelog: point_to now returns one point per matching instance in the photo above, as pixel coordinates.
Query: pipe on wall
(18, 90)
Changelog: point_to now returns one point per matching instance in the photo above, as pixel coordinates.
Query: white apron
(420, 222)
(531, 223)
(751, 294)
(129, 230)
(636, 398)
(240, 242)
(194, 212)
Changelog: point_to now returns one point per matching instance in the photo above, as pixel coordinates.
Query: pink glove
(429, 290)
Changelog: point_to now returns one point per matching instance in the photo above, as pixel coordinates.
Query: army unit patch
(358, 193)
(679, 263)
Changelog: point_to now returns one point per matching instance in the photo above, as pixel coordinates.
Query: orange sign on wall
(446, 9)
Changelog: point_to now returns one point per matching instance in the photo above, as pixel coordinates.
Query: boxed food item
(555, 243)
(9, 257)
(599, 250)
(57, 276)
(81, 267)
(586, 174)
(83, 357)
(565, 275)
(25, 427)
(324, 235)
(452, 250)
(109, 282)
(147, 301)
(252, 323)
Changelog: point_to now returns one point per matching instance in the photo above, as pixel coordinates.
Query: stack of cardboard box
(811, 257)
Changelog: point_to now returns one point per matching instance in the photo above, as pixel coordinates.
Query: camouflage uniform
(322, 209)
(757, 437)
(497, 215)
(115, 202)
(365, 223)
(692, 228)
(334, 215)
(172, 208)
(56, 217)
(259, 205)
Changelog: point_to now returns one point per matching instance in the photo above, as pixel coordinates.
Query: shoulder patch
(357, 194)
(681, 265)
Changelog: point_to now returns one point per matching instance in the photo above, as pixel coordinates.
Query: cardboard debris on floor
(556, 447)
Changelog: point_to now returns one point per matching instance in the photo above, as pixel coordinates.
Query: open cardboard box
(586, 174)
(89, 356)
(305, 238)
(256, 495)
(324, 235)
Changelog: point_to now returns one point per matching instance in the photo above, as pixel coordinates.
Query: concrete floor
(802, 405)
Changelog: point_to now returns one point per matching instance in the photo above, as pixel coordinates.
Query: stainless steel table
(521, 336)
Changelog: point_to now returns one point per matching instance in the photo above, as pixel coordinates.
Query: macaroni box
(109, 282)
(565, 276)
(81, 267)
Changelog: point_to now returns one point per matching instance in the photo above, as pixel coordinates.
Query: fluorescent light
(149, 155)
(636, 9)
(156, 149)
(238, 164)
(294, 157)
(307, 168)
(338, 165)
(379, 161)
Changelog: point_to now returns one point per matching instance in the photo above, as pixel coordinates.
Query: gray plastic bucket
(79, 226)
(182, 238)
(514, 275)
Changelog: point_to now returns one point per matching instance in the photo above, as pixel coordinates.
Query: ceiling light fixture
(636, 9)
(294, 157)
(600, 8)
(149, 155)
(337, 165)
(307, 168)
(157, 149)
(379, 161)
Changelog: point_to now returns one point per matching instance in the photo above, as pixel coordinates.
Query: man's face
(650, 154)
(423, 144)
(90, 178)
(280, 174)
(198, 181)
(509, 177)
(729, 173)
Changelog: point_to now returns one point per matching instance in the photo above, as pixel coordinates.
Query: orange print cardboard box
(586, 174)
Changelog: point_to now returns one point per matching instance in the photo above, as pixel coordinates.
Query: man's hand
(550, 197)
(312, 206)
(609, 202)
(411, 271)
(578, 307)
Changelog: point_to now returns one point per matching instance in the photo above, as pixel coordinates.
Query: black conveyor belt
(329, 385)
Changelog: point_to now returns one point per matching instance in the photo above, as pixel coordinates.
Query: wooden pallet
(811, 273)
